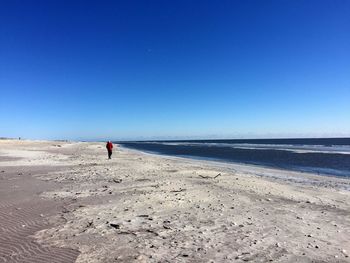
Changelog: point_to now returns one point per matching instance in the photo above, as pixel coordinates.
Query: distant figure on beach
(109, 147)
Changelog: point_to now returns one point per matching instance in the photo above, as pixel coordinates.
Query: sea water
(328, 156)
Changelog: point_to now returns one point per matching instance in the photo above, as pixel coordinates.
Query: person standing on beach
(109, 147)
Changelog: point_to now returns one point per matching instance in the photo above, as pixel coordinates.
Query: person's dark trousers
(109, 154)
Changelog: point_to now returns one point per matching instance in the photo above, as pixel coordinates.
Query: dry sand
(140, 207)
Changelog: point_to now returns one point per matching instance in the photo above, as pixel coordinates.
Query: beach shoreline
(285, 175)
(301, 155)
(141, 207)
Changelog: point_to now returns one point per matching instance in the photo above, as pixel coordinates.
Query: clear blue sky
(169, 69)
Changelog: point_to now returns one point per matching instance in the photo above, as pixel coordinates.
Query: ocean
(325, 156)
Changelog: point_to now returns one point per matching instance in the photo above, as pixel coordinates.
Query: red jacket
(109, 146)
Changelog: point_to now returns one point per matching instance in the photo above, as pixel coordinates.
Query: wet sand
(140, 207)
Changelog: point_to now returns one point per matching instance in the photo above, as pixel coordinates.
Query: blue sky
(174, 69)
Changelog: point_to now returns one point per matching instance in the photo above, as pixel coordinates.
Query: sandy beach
(66, 202)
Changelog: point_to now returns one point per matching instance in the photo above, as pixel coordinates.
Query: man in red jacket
(109, 147)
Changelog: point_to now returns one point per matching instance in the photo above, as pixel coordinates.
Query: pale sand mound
(141, 207)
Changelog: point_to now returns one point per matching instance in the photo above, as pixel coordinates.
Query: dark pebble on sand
(116, 226)
(117, 180)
